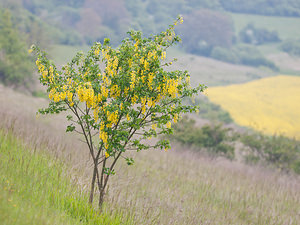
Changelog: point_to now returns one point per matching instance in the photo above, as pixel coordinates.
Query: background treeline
(16, 66)
(208, 29)
(85, 21)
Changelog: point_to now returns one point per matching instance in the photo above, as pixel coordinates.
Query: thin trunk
(101, 198)
(93, 184)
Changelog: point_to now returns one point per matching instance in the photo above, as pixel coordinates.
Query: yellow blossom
(175, 118)
(154, 126)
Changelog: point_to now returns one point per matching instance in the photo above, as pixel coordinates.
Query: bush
(280, 151)
(292, 47)
(214, 139)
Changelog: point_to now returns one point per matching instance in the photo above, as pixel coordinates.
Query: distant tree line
(289, 8)
(16, 67)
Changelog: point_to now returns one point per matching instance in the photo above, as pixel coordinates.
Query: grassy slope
(287, 27)
(161, 188)
(35, 189)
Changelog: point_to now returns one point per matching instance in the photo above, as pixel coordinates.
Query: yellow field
(271, 105)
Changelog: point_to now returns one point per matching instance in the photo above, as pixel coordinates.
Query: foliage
(269, 105)
(15, 64)
(123, 96)
(292, 47)
(214, 138)
(257, 36)
(280, 151)
(205, 29)
(242, 54)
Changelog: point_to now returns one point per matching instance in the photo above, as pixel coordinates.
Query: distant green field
(62, 54)
(287, 27)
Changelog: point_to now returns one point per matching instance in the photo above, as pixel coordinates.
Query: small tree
(118, 98)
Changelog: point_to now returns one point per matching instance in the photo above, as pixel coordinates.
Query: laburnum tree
(118, 98)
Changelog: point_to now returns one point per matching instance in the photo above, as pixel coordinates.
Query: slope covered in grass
(271, 105)
(36, 189)
(171, 188)
(287, 27)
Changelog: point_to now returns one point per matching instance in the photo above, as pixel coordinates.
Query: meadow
(270, 105)
(36, 189)
(287, 27)
(174, 187)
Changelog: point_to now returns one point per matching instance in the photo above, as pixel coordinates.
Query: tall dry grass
(175, 187)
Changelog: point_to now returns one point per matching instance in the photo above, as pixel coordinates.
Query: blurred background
(236, 161)
(247, 53)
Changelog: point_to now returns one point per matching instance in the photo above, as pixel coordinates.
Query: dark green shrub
(292, 47)
(214, 139)
(280, 151)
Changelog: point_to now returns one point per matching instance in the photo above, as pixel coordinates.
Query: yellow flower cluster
(115, 91)
(112, 118)
(44, 72)
(170, 87)
(61, 96)
(150, 80)
(133, 80)
(163, 55)
(97, 51)
(86, 94)
(103, 135)
(175, 118)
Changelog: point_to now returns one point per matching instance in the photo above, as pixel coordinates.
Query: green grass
(62, 54)
(35, 189)
(287, 27)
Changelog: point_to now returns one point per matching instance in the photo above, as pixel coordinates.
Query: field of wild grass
(174, 187)
(270, 105)
(36, 188)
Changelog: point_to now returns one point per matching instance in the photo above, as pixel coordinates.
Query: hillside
(229, 164)
(193, 188)
(37, 189)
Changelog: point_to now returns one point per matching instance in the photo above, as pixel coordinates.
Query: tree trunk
(101, 198)
(93, 184)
